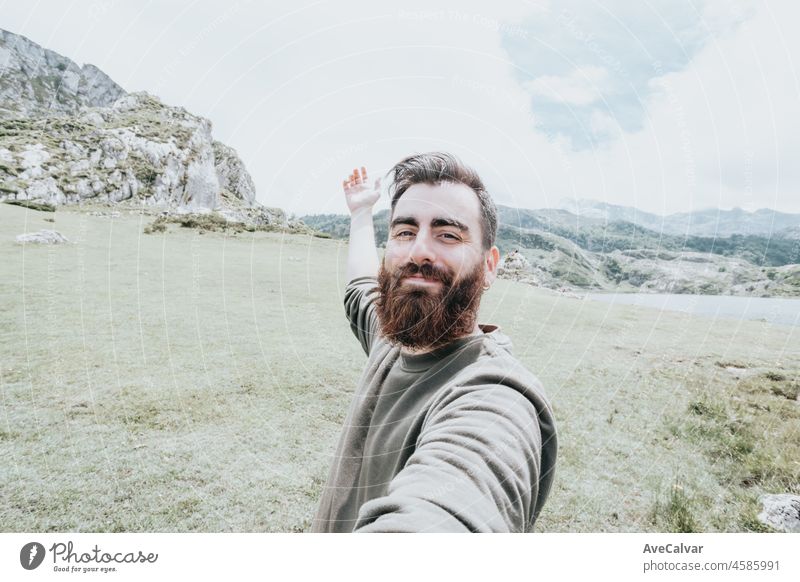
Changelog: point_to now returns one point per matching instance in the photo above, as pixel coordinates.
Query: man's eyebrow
(405, 220)
(436, 222)
(449, 222)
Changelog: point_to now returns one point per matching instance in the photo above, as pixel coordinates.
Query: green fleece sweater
(461, 439)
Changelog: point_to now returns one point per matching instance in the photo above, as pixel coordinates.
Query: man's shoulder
(496, 352)
(497, 382)
(366, 287)
(365, 281)
(492, 364)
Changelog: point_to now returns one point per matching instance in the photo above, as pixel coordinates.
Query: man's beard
(420, 317)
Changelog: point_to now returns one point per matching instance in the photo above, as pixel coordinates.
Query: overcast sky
(666, 106)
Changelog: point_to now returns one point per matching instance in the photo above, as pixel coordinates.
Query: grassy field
(187, 381)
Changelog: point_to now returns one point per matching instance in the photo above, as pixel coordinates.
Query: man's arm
(362, 257)
(476, 468)
(359, 306)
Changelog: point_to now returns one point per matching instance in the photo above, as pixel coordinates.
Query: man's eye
(450, 236)
(404, 234)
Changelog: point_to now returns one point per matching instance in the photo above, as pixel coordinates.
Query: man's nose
(422, 250)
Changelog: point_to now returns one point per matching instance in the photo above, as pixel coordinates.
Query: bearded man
(447, 431)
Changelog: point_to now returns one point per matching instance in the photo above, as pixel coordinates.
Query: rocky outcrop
(234, 179)
(516, 267)
(515, 261)
(137, 150)
(37, 81)
(70, 135)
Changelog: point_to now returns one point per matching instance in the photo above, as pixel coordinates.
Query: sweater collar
(422, 362)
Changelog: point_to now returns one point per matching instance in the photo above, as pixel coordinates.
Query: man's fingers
(359, 177)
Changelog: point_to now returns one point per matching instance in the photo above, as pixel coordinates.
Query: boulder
(781, 511)
(515, 261)
(44, 237)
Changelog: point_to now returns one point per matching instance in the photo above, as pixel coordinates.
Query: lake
(778, 310)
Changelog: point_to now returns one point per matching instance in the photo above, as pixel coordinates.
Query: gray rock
(38, 81)
(260, 216)
(202, 186)
(32, 158)
(96, 88)
(102, 144)
(781, 511)
(92, 118)
(45, 237)
(233, 177)
(45, 189)
(515, 261)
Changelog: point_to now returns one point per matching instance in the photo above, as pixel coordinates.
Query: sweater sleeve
(359, 306)
(475, 469)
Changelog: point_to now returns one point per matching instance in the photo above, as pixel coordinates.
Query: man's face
(434, 267)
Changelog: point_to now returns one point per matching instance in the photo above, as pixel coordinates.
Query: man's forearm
(362, 256)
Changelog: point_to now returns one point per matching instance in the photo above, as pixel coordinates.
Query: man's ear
(492, 260)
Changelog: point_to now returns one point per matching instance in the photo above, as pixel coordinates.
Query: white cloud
(604, 126)
(307, 92)
(584, 86)
(723, 132)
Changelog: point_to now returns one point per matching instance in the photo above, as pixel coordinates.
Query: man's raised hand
(357, 191)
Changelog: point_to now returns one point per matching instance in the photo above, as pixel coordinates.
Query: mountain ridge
(558, 250)
(701, 222)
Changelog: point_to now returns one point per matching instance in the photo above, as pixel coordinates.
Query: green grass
(675, 511)
(748, 431)
(211, 222)
(179, 381)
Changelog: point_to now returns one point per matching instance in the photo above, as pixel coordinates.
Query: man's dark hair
(433, 168)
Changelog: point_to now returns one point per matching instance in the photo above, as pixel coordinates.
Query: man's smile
(418, 279)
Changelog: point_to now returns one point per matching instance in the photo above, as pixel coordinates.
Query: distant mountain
(792, 233)
(596, 235)
(519, 227)
(708, 222)
(556, 249)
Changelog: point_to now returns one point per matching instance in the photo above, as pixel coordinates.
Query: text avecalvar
(672, 549)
